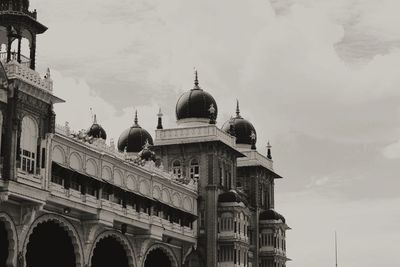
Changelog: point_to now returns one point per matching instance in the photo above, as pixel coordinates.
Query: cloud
(392, 151)
(80, 98)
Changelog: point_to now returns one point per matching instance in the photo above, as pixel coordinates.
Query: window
(91, 188)
(177, 168)
(29, 136)
(75, 182)
(194, 171)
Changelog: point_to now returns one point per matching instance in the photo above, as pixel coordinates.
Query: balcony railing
(25, 61)
(22, 71)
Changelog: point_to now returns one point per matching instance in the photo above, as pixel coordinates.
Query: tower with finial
(28, 108)
(159, 121)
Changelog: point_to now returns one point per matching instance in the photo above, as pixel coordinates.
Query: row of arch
(117, 178)
(51, 240)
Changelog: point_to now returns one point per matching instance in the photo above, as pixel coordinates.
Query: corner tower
(198, 151)
(26, 99)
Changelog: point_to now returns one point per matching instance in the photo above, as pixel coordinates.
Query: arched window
(29, 136)
(177, 168)
(194, 171)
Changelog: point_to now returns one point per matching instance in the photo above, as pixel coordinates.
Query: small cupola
(96, 131)
(241, 128)
(133, 139)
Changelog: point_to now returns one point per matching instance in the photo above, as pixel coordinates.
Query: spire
(269, 155)
(237, 109)
(136, 118)
(159, 115)
(94, 119)
(196, 80)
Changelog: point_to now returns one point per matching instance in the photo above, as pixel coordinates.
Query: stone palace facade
(195, 195)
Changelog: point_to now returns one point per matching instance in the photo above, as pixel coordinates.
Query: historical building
(195, 195)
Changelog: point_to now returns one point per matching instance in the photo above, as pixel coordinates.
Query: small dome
(146, 154)
(230, 196)
(134, 138)
(96, 131)
(195, 104)
(271, 215)
(241, 128)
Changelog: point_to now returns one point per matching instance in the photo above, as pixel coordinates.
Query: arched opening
(194, 171)
(50, 245)
(109, 252)
(157, 257)
(177, 168)
(29, 136)
(4, 244)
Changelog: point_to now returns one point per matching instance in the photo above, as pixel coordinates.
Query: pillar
(9, 42)
(33, 52)
(19, 49)
(211, 212)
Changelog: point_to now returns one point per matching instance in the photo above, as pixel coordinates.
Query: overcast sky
(318, 78)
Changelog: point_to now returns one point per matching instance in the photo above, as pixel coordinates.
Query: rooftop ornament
(212, 114)
(253, 140)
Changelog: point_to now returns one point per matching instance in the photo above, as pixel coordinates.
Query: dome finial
(237, 108)
(269, 155)
(136, 118)
(196, 80)
(94, 119)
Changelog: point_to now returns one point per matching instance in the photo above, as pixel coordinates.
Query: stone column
(9, 42)
(211, 217)
(33, 52)
(19, 49)
(12, 125)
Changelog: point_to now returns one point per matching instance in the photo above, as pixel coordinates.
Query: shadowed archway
(157, 257)
(109, 252)
(50, 245)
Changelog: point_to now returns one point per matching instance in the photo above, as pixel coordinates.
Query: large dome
(241, 128)
(195, 104)
(96, 131)
(134, 138)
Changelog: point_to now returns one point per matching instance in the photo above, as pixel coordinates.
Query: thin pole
(336, 250)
